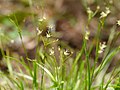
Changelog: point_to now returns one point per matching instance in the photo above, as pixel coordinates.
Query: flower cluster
(102, 46)
(87, 33)
(48, 34)
(51, 51)
(105, 14)
(66, 52)
(118, 22)
(89, 11)
(39, 31)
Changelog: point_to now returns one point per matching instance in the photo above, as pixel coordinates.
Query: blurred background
(68, 17)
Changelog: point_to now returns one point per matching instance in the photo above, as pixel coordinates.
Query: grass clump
(55, 67)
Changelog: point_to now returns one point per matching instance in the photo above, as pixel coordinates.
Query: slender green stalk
(88, 67)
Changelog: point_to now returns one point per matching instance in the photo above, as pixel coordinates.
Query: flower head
(87, 33)
(39, 31)
(102, 46)
(98, 7)
(105, 14)
(66, 52)
(48, 34)
(118, 22)
(107, 10)
(89, 11)
(12, 41)
(51, 51)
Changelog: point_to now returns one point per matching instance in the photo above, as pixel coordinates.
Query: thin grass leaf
(107, 59)
(47, 71)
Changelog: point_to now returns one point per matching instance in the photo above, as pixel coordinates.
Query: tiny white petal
(12, 41)
(87, 33)
(118, 22)
(102, 46)
(66, 53)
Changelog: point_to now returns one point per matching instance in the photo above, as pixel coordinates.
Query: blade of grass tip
(47, 71)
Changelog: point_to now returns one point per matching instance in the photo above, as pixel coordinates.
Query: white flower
(102, 46)
(39, 31)
(111, 1)
(12, 41)
(89, 11)
(107, 10)
(59, 48)
(98, 7)
(51, 51)
(42, 19)
(118, 22)
(87, 33)
(66, 53)
(50, 26)
(48, 35)
(105, 14)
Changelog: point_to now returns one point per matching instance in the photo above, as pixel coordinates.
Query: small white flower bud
(39, 31)
(118, 22)
(51, 51)
(105, 14)
(87, 33)
(102, 46)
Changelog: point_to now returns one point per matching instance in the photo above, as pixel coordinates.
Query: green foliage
(45, 72)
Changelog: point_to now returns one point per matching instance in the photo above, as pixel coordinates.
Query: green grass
(46, 72)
